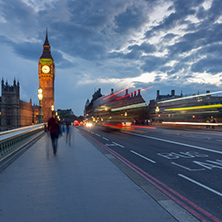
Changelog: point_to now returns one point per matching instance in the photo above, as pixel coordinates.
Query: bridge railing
(13, 140)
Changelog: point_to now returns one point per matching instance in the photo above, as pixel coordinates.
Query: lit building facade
(116, 110)
(46, 71)
(15, 113)
(194, 108)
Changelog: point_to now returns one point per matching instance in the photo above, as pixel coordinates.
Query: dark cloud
(132, 18)
(211, 65)
(178, 68)
(17, 12)
(152, 63)
(120, 71)
(79, 41)
(201, 13)
(214, 12)
(165, 69)
(182, 10)
(168, 37)
(145, 47)
(4, 39)
(27, 50)
(181, 47)
(134, 54)
(96, 19)
(61, 62)
(211, 50)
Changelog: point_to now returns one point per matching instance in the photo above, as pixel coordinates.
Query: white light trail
(188, 97)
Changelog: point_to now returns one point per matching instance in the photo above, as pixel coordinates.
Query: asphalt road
(184, 164)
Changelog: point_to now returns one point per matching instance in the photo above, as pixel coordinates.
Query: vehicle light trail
(188, 97)
(147, 88)
(116, 93)
(123, 97)
(195, 107)
(118, 126)
(132, 93)
(192, 123)
(145, 127)
(134, 106)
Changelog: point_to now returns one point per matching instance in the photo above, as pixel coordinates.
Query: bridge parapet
(13, 140)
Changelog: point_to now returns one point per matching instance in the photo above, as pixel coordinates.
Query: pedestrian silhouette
(68, 136)
(53, 128)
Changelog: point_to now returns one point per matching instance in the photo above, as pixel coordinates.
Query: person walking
(68, 136)
(53, 128)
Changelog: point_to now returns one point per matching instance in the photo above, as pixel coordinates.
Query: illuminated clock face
(45, 69)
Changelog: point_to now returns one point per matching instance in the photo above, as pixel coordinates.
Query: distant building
(195, 108)
(89, 110)
(116, 109)
(15, 113)
(168, 96)
(66, 115)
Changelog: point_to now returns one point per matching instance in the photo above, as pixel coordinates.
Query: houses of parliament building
(15, 113)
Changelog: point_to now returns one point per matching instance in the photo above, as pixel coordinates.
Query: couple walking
(54, 128)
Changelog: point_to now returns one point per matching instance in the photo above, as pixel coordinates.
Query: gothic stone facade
(14, 112)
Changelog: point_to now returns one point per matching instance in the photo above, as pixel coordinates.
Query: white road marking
(110, 144)
(117, 144)
(186, 168)
(200, 184)
(105, 138)
(178, 143)
(152, 161)
(97, 134)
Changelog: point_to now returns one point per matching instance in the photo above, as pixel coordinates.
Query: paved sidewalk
(79, 184)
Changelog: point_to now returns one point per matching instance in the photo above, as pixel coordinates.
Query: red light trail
(132, 93)
(116, 93)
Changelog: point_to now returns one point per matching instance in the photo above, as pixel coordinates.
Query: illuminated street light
(52, 109)
(157, 109)
(40, 97)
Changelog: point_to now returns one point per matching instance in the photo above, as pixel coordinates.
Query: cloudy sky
(167, 44)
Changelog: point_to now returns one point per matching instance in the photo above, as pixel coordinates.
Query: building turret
(46, 53)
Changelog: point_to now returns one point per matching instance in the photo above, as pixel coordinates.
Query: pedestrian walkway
(79, 184)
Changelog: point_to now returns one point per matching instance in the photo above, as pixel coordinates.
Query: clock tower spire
(46, 79)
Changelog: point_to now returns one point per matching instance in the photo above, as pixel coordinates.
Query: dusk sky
(167, 44)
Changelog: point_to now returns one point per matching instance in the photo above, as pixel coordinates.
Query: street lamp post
(157, 110)
(52, 108)
(40, 97)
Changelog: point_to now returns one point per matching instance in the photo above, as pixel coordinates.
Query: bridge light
(40, 93)
(157, 109)
(40, 97)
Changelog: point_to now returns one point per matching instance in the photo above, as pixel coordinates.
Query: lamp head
(40, 93)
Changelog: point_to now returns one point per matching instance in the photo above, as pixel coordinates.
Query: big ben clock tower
(46, 79)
